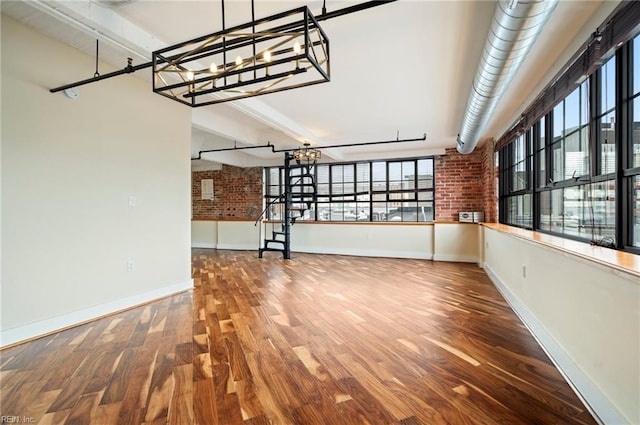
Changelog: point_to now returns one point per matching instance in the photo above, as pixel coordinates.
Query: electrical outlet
(131, 265)
(132, 201)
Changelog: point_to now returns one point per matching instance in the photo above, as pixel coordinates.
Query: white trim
(421, 255)
(238, 247)
(455, 258)
(597, 403)
(203, 245)
(66, 320)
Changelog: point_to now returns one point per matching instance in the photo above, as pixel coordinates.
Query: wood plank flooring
(315, 340)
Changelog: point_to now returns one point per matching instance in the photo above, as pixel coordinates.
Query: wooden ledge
(223, 219)
(361, 223)
(619, 260)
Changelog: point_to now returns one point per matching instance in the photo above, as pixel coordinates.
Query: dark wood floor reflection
(316, 340)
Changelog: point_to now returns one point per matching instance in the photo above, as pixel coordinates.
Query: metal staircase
(300, 193)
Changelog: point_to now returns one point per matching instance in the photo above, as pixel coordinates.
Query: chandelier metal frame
(280, 52)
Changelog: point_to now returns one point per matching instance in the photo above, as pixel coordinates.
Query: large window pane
(584, 103)
(602, 216)
(425, 175)
(543, 133)
(557, 211)
(608, 86)
(636, 65)
(575, 156)
(572, 111)
(542, 176)
(607, 144)
(364, 191)
(573, 205)
(545, 210)
(558, 161)
(363, 180)
(635, 148)
(558, 121)
(379, 176)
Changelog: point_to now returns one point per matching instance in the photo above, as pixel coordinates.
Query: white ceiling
(398, 70)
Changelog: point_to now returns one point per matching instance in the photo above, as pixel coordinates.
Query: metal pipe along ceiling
(514, 29)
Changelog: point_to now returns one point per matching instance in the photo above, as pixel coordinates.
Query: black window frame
(415, 203)
(610, 189)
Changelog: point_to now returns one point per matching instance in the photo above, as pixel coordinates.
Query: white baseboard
(366, 253)
(203, 245)
(67, 320)
(597, 403)
(238, 247)
(342, 251)
(455, 258)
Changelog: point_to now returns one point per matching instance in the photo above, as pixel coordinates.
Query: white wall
(204, 234)
(439, 241)
(586, 315)
(456, 242)
(237, 235)
(376, 240)
(68, 170)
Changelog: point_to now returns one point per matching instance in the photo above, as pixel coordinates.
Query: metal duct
(514, 29)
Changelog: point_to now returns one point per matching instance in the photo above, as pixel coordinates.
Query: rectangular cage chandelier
(280, 52)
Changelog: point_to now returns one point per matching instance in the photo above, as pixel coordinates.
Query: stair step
(267, 241)
(262, 250)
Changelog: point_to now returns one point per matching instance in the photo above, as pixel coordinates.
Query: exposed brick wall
(489, 181)
(463, 183)
(459, 184)
(237, 194)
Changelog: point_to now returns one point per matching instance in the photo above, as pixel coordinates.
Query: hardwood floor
(316, 340)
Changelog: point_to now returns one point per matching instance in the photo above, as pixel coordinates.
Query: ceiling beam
(104, 23)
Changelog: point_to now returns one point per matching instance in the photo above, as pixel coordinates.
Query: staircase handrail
(267, 208)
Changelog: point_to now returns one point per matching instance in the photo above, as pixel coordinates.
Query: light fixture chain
(97, 74)
(253, 27)
(224, 46)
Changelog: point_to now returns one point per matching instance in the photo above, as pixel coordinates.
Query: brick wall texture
(466, 183)
(490, 182)
(463, 183)
(237, 194)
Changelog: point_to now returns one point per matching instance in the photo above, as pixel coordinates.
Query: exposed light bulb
(189, 76)
(239, 66)
(213, 68)
(267, 56)
(296, 49)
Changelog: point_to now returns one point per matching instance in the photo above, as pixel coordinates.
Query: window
(606, 118)
(570, 138)
(631, 168)
(394, 191)
(515, 194)
(586, 160)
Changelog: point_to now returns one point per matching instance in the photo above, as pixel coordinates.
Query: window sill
(621, 261)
